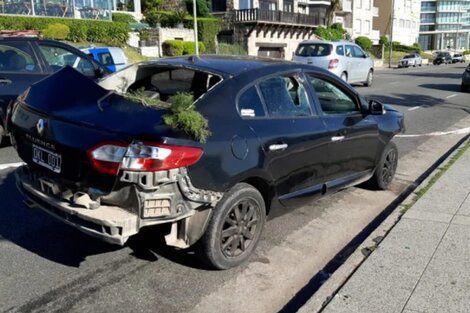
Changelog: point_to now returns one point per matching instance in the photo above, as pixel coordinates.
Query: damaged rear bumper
(110, 223)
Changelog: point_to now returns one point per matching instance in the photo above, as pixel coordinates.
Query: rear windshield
(313, 50)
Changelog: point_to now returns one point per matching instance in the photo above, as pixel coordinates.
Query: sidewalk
(423, 264)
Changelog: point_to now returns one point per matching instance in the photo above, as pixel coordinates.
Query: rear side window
(332, 99)
(105, 58)
(313, 50)
(340, 50)
(249, 103)
(17, 57)
(285, 96)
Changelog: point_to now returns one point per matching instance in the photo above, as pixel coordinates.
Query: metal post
(392, 17)
(196, 46)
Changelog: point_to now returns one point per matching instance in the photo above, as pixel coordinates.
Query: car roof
(224, 65)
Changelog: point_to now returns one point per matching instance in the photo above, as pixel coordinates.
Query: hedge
(179, 47)
(111, 33)
(123, 18)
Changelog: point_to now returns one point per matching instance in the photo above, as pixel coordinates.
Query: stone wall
(160, 35)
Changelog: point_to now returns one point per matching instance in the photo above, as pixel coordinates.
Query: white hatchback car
(343, 58)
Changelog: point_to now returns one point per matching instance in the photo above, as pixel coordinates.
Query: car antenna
(193, 58)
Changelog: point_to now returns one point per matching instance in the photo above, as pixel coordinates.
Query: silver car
(343, 58)
(465, 87)
(412, 59)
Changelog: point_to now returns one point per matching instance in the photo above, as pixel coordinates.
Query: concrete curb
(336, 281)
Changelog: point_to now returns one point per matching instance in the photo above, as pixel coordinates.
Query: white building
(357, 17)
(406, 20)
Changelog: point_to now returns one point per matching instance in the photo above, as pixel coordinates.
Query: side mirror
(99, 72)
(376, 108)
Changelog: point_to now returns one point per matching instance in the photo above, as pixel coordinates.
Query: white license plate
(47, 158)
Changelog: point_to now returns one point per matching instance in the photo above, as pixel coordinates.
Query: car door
(361, 64)
(19, 68)
(291, 135)
(353, 136)
(351, 63)
(57, 55)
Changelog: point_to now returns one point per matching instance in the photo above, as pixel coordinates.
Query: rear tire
(234, 228)
(464, 88)
(370, 79)
(385, 170)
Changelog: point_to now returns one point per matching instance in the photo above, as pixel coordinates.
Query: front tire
(344, 76)
(385, 170)
(234, 228)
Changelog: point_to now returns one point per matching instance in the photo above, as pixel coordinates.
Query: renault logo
(40, 126)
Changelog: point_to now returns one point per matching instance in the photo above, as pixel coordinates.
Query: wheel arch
(266, 190)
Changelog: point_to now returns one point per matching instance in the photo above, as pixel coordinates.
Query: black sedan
(209, 146)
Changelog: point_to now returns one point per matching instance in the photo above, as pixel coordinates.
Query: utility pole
(392, 17)
(196, 45)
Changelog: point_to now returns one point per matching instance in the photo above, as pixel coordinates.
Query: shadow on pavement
(36, 231)
(445, 87)
(408, 100)
(435, 75)
(41, 234)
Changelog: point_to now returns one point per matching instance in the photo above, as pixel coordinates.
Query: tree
(335, 5)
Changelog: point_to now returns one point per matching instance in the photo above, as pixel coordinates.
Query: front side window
(17, 57)
(285, 96)
(357, 52)
(332, 99)
(58, 58)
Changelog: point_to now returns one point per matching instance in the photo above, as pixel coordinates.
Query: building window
(402, 23)
(366, 27)
(357, 26)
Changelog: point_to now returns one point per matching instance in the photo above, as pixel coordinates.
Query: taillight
(333, 64)
(141, 157)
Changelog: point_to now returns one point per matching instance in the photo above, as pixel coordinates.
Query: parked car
(458, 58)
(465, 86)
(442, 58)
(26, 60)
(343, 58)
(112, 57)
(282, 134)
(413, 59)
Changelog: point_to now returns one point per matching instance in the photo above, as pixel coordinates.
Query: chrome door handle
(4, 81)
(337, 138)
(277, 147)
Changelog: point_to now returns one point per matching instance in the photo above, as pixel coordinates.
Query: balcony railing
(278, 17)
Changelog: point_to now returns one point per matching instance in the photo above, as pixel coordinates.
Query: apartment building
(406, 20)
(357, 17)
(445, 24)
(271, 28)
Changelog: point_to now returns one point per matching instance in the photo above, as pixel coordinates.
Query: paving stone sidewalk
(423, 265)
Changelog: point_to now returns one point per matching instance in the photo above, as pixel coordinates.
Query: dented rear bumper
(113, 223)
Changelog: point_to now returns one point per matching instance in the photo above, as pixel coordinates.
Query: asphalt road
(49, 267)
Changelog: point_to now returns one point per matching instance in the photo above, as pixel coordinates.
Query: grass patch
(439, 172)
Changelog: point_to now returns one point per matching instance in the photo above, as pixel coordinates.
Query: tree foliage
(364, 42)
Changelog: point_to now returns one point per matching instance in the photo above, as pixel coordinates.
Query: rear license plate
(47, 158)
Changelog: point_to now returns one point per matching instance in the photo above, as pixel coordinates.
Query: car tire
(234, 228)
(344, 76)
(370, 79)
(464, 88)
(385, 170)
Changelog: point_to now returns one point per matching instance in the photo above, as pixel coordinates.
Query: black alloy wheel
(234, 228)
(240, 227)
(386, 169)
